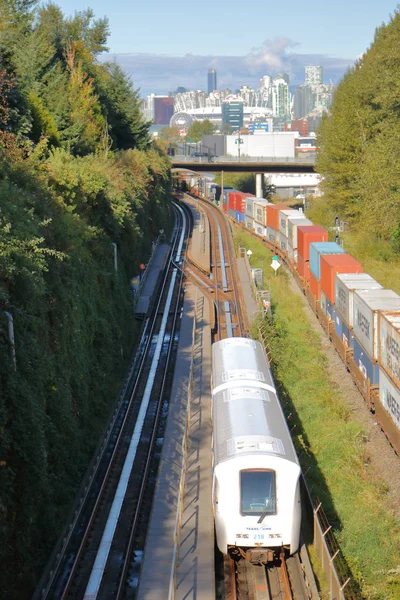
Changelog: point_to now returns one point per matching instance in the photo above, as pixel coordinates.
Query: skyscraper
(212, 80)
(313, 76)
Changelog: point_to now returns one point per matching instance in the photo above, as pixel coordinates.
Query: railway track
(222, 283)
(279, 580)
(99, 554)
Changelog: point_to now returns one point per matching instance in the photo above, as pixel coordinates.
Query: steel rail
(129, 550)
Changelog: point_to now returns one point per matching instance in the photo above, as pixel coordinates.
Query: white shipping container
(259, 229)
(366, 304)
(249, 222)
(389, 396)
(283, 243)
(389, 344)
(292, 254)
(293, 223)
(260, 211)
(272, 235)
(249, 206)
(346, 284)
(284, 219)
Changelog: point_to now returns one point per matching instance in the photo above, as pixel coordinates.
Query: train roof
(247, 416)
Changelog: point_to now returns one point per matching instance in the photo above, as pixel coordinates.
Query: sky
(164, 44)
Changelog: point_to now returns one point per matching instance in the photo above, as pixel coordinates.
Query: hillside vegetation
(359, 150)
(77, 175)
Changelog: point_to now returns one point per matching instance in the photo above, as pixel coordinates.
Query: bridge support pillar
(259, 177)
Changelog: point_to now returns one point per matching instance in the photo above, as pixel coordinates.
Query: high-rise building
(313, 75)
(280, 97)
(232, 113)
(212, 80)
(265, 82)
(303, 101)
(163, 109)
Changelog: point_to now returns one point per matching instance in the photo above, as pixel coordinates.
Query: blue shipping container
(240, 218)
(232, 213)
(330, 309)
(368, 367)
(342, 330)
(318, 248)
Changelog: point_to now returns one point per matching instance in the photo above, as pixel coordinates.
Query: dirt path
(384, 462)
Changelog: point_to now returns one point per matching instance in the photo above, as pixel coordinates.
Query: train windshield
(257, 492)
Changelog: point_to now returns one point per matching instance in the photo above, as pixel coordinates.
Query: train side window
(257, 492)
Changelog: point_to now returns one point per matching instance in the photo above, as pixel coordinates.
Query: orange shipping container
(307, 234)
(303, 268)
(273, 214)
(315, 286)
(336, 263)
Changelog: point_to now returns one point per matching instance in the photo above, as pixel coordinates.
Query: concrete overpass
(245, 165)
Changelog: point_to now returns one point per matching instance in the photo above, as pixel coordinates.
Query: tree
(200, 128)
(226, 129)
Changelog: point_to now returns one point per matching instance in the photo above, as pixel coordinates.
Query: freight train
(360, 317)
(256, 472)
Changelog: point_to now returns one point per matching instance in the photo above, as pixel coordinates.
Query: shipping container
(366, 364)
(249, 222)
(293, 223)
(249, 206)
(322, 302)
(260, 229)
(225, 208)
(273, 211)
(292, 254)
(389, 396)
(342, 330)
(273, 236)
(232, 213)
(260, 211)
(315, 287)
(330, 264)
(240, 202)
(232, 200)
(366, 304)
(303, 267)
(284, 216)
(283, 243)
(389, 344)
(345, 286)
(307, 234)
(318, 249)
(240, 218)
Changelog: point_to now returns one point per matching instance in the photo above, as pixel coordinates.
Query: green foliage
(200, 128)
(245, 182)
(359, 151)
(65, 198)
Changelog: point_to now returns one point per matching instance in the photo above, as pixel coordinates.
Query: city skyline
(174, 50)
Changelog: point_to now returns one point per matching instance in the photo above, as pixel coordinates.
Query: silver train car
(256, 472)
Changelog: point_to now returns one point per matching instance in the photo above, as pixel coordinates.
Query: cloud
(162, 73)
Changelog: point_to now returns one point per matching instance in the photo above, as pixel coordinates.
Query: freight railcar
(256, 472)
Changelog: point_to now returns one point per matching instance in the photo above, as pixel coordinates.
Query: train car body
(256, 472)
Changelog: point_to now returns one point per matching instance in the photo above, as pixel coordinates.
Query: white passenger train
(256, 482)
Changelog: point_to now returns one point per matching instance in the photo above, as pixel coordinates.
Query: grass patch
(330, 445)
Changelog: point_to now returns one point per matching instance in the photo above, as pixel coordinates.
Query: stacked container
(260, 216)
(316, 250)
(330, 265)
(249, 212)
(284, 216)
(306, 234)
(293, 223)
(273, 213)
(345, 286)
(389, 359)
(367, 304)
